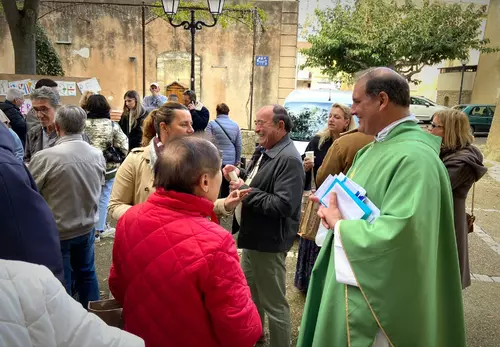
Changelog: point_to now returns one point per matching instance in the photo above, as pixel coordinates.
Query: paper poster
(25, 85)
(66, 88)
(90, 84)
(26, 106)
(4, 85)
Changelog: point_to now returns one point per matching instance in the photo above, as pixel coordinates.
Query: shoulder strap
(473, 193)
(225, 132)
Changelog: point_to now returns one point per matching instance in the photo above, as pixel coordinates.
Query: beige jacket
(134, 183)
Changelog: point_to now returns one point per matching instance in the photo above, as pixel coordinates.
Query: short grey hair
(383, 79)
(47, 93)
(71, 119)
(14, 93)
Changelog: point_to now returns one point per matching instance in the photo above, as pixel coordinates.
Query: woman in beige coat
(134, 179)
(464, 163)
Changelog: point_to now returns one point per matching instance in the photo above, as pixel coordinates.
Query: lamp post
(463, 62)
(170, 8)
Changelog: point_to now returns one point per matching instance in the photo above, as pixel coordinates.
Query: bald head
(182, 162)
(383, 79)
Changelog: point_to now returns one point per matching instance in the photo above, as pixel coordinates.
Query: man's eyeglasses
(434, 125)
(40, 110)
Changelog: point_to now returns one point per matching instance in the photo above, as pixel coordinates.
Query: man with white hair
(11, 108)
(69, 176)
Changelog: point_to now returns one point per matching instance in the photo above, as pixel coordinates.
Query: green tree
(47, 59)
(349, 38)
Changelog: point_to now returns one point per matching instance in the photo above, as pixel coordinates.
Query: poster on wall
(4, 85)
(26, 107)
(25, 85)
(91, 84)
(66, 88)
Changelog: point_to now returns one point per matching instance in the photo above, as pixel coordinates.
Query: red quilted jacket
(178, 277)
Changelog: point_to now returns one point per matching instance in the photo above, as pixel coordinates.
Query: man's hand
(308, 164)
(331, 215)
(227, 169)
(235, 185)
(235, 198)
(190, 106)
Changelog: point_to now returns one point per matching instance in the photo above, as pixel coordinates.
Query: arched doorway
(176, 67)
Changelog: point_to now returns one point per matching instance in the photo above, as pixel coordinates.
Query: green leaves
(232, 14)
(47, 59)
(406, 37)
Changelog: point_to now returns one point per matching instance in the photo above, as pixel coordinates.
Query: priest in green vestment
(406, 288)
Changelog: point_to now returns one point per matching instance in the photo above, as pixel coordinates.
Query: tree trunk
(22, 26)
(492, 151)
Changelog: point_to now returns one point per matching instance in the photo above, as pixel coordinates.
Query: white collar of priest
(384, 132)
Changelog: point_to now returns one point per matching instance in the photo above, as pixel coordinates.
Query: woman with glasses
(464, 163)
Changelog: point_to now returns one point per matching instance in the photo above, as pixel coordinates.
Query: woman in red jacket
(175, 270)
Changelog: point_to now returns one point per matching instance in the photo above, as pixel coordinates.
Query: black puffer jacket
(17, 121)
(135, 134)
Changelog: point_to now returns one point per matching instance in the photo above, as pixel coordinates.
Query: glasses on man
(434, 125)
(43, 110)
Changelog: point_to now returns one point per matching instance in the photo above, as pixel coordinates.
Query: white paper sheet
(343, 270)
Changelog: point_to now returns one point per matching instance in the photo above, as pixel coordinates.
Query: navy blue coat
(28, 230)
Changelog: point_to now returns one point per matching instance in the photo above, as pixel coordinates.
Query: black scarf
(98, 114)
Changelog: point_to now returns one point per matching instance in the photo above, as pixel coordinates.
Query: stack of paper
(351, 198)
(353, 205)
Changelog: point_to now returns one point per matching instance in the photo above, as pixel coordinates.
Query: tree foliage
(350, 38)
(239, 13)
(47, 59)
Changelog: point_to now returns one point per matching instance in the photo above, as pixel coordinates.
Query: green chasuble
(405, 263)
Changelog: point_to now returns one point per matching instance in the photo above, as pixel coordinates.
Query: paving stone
(483, 278)
(496, 279)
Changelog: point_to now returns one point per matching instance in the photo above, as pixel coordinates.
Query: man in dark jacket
(28, 230)
(269, 218)
(13, 101)
(199, 113)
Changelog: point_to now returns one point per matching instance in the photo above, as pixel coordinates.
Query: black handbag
(111, 153)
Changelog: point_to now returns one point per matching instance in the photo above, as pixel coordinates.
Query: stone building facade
(105, 41)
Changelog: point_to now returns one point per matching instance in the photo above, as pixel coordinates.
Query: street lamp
(463, 62)
(170, 8)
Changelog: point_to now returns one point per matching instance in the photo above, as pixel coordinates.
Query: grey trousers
(266, 277)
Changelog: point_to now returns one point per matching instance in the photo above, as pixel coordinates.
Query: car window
(479, 111)
(492, 110)
(417, 101)
(308, 118)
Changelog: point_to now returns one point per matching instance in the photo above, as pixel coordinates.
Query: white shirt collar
(384, 132)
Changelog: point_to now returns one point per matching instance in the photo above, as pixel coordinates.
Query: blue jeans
(103, 204)
(78, 258)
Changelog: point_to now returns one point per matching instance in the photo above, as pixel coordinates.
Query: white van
(309, 110)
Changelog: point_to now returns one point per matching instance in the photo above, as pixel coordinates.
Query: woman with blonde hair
(339, 121)
(134, 180)
(464, 163)
(132, 117)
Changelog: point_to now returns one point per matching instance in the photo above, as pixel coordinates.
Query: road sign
(262, 60)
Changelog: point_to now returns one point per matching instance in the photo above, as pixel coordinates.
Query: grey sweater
(69, 176)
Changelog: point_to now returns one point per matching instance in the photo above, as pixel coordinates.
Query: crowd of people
(167, 175)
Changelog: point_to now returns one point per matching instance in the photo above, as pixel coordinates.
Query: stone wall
(453, 97)
(105, 41)
(249, 140)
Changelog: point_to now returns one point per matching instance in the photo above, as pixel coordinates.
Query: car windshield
(308, 118)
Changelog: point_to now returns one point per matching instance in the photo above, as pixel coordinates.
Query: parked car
(309, 110)
(480, 116)
(424, 108)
